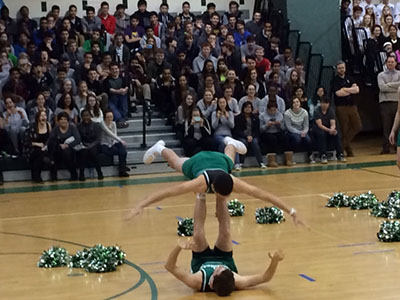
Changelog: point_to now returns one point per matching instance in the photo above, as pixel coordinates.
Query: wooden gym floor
(338, 258)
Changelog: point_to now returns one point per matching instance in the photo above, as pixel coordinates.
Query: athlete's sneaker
(153, 152)
(239, 146)
(238, 167)
(324, 159)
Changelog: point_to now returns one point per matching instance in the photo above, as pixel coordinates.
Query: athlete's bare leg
(224, 241)
(173, 160)
(200, 212)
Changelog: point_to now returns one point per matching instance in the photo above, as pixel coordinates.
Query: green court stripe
(176, 178)
(144, 276)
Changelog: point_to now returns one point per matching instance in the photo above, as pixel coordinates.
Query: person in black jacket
(247, 129)
(90, 136)
(197, 134)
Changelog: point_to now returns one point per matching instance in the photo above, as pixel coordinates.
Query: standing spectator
(344, 88)
(142, 15)
(325, 132)
(38, 138)
(111, 146)
(16, 122)
(63, 138)
(121, 19)
(117, 89)
(164, 16)
(273, 139)
(247, 130)
(388, 82)
(297, 126)
(91, 22)
(90, 133)
(222, 121)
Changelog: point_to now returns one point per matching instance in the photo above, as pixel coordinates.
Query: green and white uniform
(206, 160)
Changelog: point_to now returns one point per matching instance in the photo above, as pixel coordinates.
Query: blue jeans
(299, 143)
(119, 106)
(219, 142)
(116, 149)
(255, 148)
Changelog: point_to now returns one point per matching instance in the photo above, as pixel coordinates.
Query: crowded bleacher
(68, 84)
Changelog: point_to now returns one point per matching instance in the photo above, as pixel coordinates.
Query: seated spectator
(117, 89)
(95, 86)
(251, 97)
(150, 49)
(273, 50)
(156, 66)
(232, 12)
(186, 15)
(255, 25)
(181, 90)
(133, 33)
(209, 84)
(263, 65)
(16, 88)
(252, 78)
(273, 80)
(170, 49)
(74, 54)
(325, 132)
(37, 139)
(6, 145)
(67, 104)
(247, 130)
(388, 20)
(90, 22)
(231, 55)
(95, 38)
(158, 27)
(240, 34)
(104, 69)
(357, 18)
(81, 97)
(248, 49)
(316, 101)
(111, 146)
(222, 70)
(206, 16)
(299, 67)
(139, 81)
(232, 102)
(272, 96)
(293, 83)
(68, 86)
(368, 24)
(119, 51)
(296, 124)
(165, 86)
(57, 85)
(197, 134)
(22, 44)
(286, 59)
(207, 104)
(121, 18)
(164, 16)
(189, 47)
(205, 54)
(90, 133)
(222, 121)
(149, 34)
(299, 93)
(107, 20)
(393, 38)
(36, 80)
(276, 68)
(236, 85)
(273, 139)
(184, 113)
(264, 35)
(66, 25)
(16, 122)
(142, 14)
(40, 106)
(208, 70)
(63, 138)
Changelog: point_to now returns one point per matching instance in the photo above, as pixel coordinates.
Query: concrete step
(138, 145)
(150, 129)
(136, 157)
(150, 138)
(137, 123)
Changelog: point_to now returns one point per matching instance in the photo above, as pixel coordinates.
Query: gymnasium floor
(338, 258)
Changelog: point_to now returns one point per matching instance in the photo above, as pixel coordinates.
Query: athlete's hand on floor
(136, 211)
(298, 221)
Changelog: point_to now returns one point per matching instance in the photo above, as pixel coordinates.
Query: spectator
(156, 67)
(149, 34)
(254, 26)
(80, 98)
(388, 20)
(240, 34)
(252, 78)
(91, 22)
(67, 104)
(264, 35)
(233, 11)
(142, 15)
(117, 89)
(119, 51)
(231, 55)
(16, 88)
(121, 19)
(206, 16)
(296, 124)
(11, 26)
(186, 15)
(388, 82)
(104, 69)
(89, 43)
(273, 139)
(67, 87)
(247, 130)
(222, 71)
(198, 62)
(164, 16)
(299, 93)
(111, 146)
(293, 83)
(368, 24)
(108, 21)
(232, 102)
(263, 65)
(158, 27)
(40, 106)
(299, 67)
(252, 98)
(208, 104)
(181, 91)
(236, 84)
(37, 80)
(63, 138)
(25, 21)
(276, 68)
(357, 18)
(286, 59)
(189, 47)
(95, 86)
(248, 49)
(392, 38)
(74, 54)
(316, 101)
(273, 80)
(165, 85)
(325, 132)
(76, 22)
(16, 122)
(37, 140)
(184, 113)
(222, 121)
(344, 88)
(90, 133)
(273, 97)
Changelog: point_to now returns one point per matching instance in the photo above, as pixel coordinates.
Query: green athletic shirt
(207, 269)
(206, 160)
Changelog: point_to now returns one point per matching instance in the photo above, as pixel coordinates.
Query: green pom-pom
(269, 215)
(185, 227)
(364, 201)
(101, 259)
(235, 208)
(389, 208)
(54, 257)
(389, 231)
(338, 200)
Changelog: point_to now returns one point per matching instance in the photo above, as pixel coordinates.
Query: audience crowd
(68, 83)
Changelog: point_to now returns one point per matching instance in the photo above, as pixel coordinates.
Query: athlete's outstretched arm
(244, 282)
(191, 280)
(196, 185)
(242, 187)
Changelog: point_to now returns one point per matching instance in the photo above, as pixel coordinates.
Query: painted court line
(307, 277)
(325, 196)
(373, 251)
(153, 263)
(235, 242)
(355, 245)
